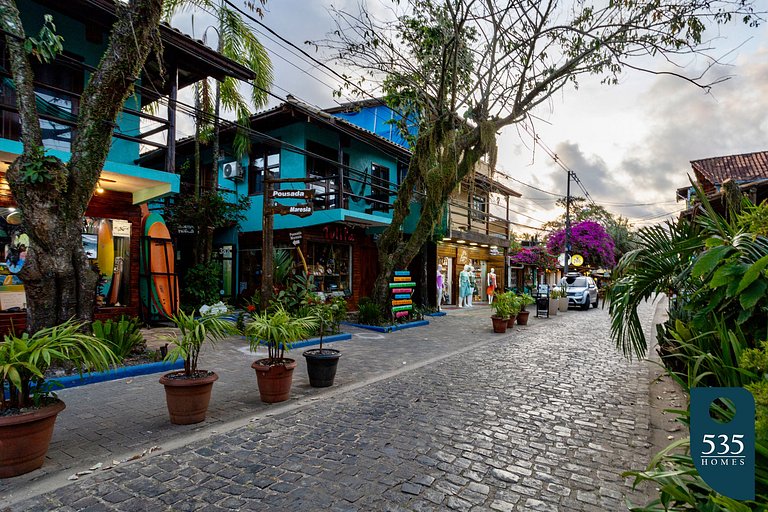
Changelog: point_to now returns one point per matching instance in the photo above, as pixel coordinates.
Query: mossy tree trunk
(57, 277)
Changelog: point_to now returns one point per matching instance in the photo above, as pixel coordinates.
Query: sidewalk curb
(389, 328)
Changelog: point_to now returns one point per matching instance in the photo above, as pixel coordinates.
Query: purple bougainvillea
(536, 256)
(589, 239)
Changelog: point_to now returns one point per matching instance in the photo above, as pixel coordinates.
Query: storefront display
(453, 257)
(330, 264)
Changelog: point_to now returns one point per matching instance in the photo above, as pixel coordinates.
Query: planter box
(563, 304)
(389, 328)
(553, 305)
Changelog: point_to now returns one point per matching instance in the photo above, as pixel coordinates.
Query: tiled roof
(744, 167)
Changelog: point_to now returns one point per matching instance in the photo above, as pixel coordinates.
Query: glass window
(264, 160)
(478, 206)
(331, 267)
(322, 164)
(379, 188)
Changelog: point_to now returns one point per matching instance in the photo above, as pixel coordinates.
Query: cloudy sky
(630, 144)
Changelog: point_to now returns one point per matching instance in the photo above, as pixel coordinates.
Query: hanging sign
(577, 260)
(295, 238)
(561, 259)
(300, 210)
(306, 194)
(121, 227)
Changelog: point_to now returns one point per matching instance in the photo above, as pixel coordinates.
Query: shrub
(369, 313)
(123, 337)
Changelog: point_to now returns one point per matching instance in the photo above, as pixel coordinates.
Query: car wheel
(594, 304)
(585, 306)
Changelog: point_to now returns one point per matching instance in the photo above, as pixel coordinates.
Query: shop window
(331, 267)
(379, 188)
(322, 165)
(106, 243)
(265, 160)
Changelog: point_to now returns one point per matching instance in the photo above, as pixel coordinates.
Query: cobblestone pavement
(447, 416)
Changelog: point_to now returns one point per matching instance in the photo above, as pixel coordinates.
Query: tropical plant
(277, 330)
(525, 301)
(368, 312)
(122, 336)
(24, 360)
(295, 295)
(502, 305)
(193, 333)
(201, 285)
(283, 264)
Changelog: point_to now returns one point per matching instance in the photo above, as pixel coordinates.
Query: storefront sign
(300, 210)
(494, 251)
(307, 194)
(577, 260)
(121, 227)
(185, 229)
(295, 238)
(339, 233)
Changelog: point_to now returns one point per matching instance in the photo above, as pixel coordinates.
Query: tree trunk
(57, 277)
(441, 159)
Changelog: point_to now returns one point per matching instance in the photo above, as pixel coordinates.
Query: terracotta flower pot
(511, 321)
(24, 439)
(499, 324)
(187, 399)
(274, 380)
(522, 317)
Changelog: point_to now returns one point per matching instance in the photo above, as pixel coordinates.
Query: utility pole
(267, 245)
(567, 225)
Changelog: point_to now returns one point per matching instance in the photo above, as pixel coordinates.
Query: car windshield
(577, 282)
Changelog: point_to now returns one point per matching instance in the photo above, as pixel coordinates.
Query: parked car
(582, 290)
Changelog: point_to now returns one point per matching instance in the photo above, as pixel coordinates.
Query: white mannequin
(463, 285)
(491, 281)
(440, 286)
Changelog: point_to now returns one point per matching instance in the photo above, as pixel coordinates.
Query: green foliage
(201, 285)
(505, 305)
(122, 336)
(754, 219)
(369, 313)
(37, 166)
(283, 266)
(210, 209)
(193, 333)
(47, 45)
(24, 360)
(277, 330)
(295, 295)
(525, 300)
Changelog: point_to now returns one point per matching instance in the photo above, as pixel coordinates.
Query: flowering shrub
(537, 256)
(217, 309)
(589, 239)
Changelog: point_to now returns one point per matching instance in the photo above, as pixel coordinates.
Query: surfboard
(114, 291)
(105, 255)
(159, 287)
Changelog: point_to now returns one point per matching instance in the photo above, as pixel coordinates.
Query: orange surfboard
(159, 285)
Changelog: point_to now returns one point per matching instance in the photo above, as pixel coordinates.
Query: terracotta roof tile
(744, 167)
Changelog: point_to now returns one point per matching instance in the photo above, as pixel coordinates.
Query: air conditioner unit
(233, 170)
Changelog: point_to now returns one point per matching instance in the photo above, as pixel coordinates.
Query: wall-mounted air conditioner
(233, 170)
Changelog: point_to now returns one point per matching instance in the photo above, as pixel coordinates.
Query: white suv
(582, 290)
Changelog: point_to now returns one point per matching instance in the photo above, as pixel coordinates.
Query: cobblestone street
(443, 417)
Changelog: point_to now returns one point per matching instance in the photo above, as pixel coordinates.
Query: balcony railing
(462, 217)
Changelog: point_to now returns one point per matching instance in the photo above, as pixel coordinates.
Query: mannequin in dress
(464, 289)
(440, 285)
(491, 290)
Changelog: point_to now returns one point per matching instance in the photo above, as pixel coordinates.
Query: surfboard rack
(152, 311)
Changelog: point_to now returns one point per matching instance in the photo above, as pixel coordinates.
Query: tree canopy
(588, 239)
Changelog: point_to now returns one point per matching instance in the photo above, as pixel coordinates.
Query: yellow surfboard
(105, 257)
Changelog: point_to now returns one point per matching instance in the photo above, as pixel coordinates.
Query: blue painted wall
(378, 119)
(73, 32)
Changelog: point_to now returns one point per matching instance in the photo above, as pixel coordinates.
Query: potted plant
(277, 330)
(28, 415)
(188, 391)
(514, 308)
(522, 315)
(501, 307)
(563, 299)
(322, 362)
(554, 295)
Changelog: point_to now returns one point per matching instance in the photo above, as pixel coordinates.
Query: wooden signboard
(305, 194)
(402, 291)
(300, 210)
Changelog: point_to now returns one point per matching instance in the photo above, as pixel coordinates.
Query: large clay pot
(274, 380)
(511, 321)
(24, 439)
(499, 324)
(553, 303)
(187, 399)
(321, 366)
(522, 317)
(563, 304)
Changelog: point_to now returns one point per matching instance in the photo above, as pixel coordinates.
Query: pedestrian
(440, 286)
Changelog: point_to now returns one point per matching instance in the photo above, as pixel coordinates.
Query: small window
(264, 160)
(379, 187)
(479, 207)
